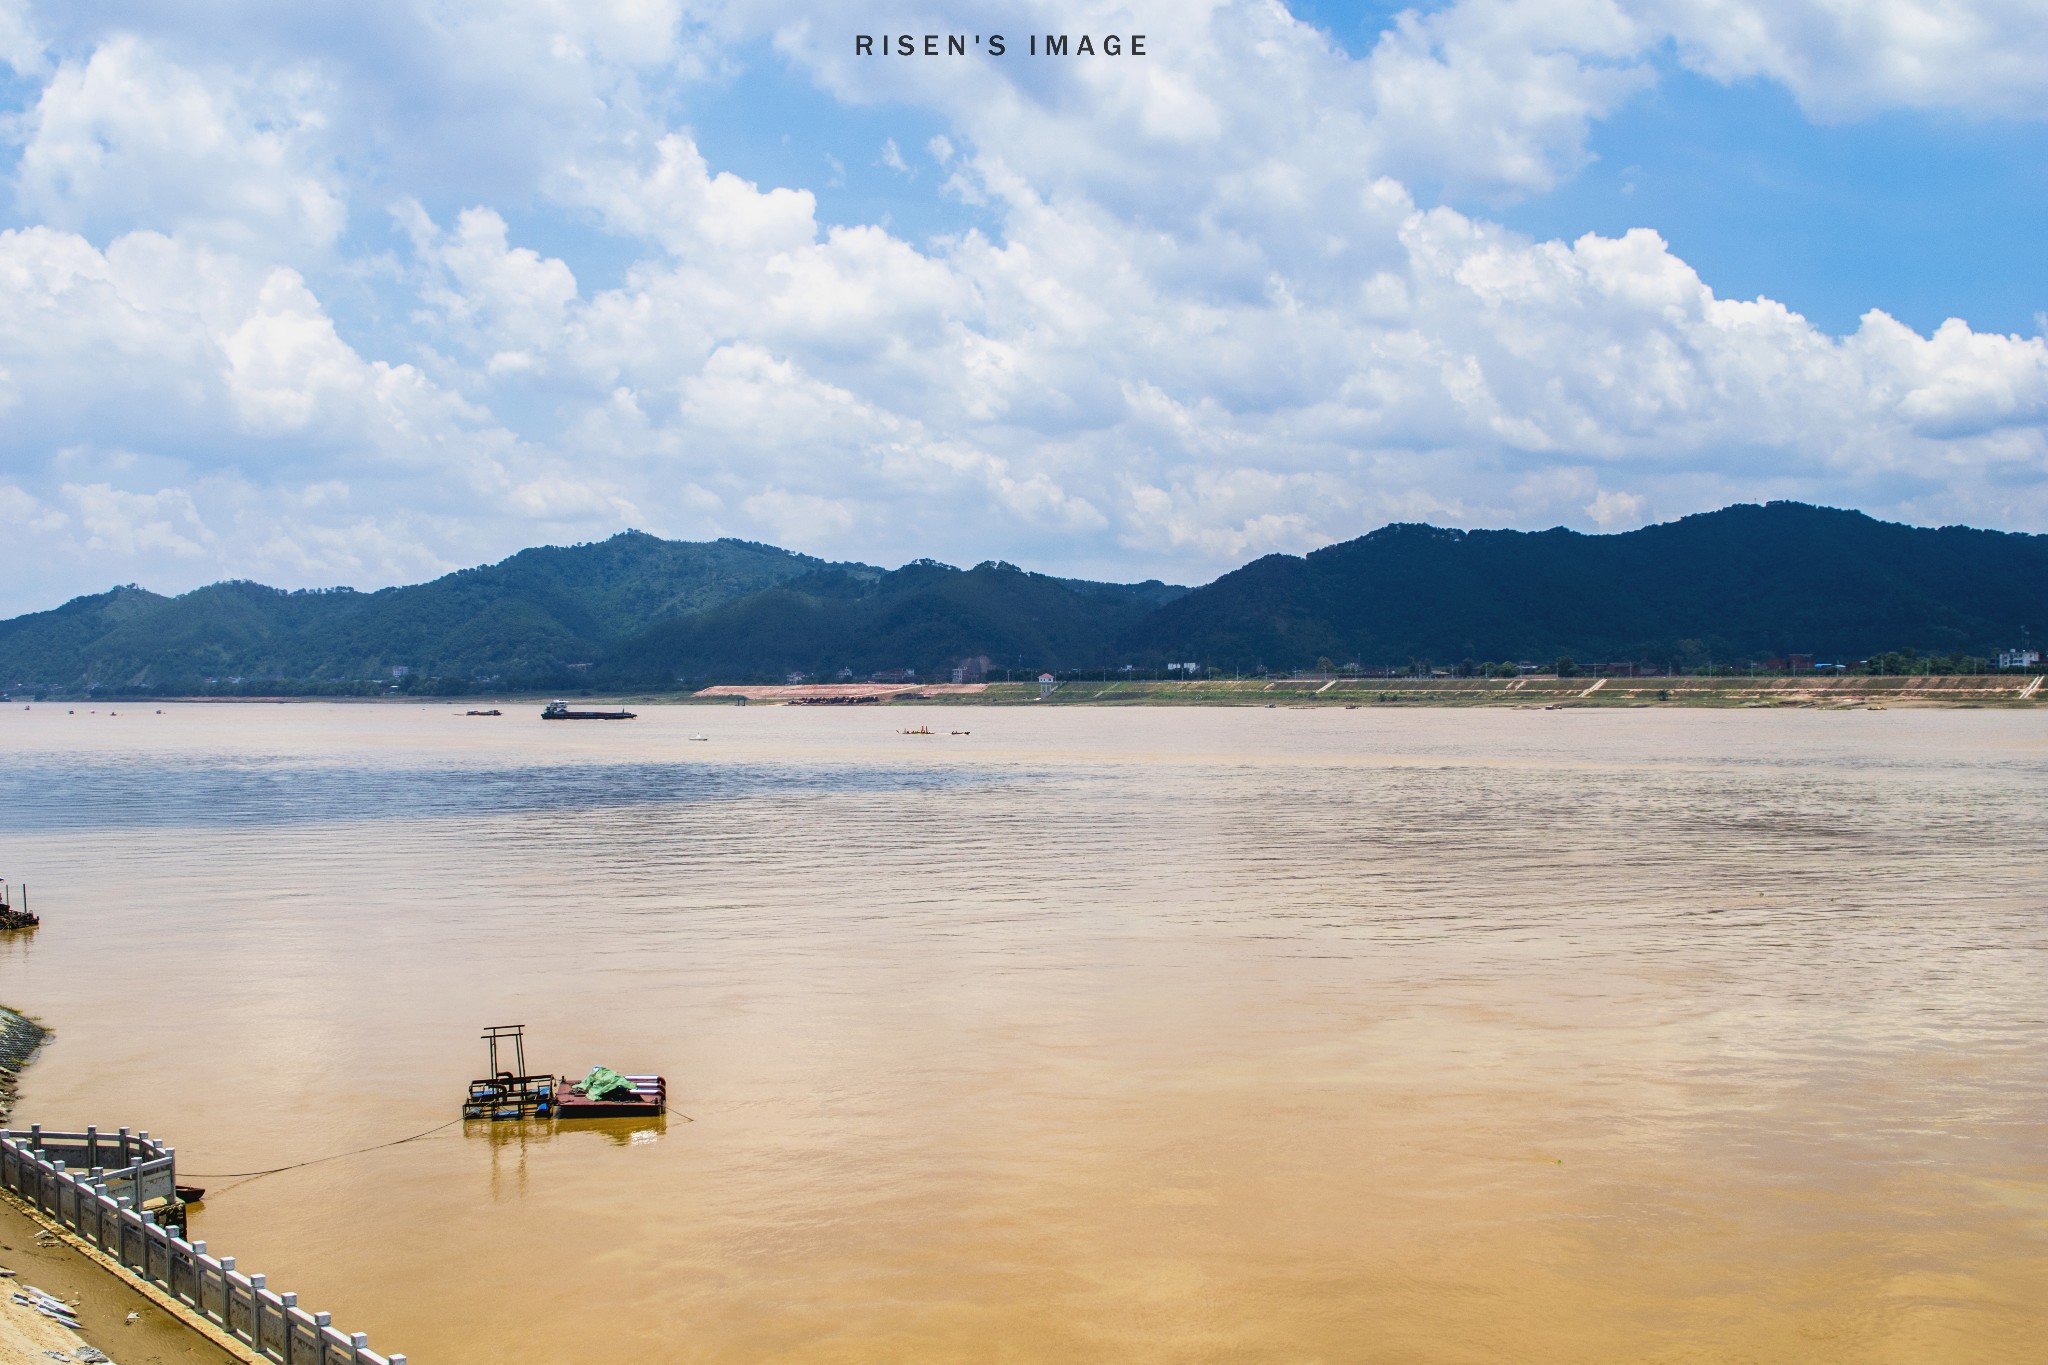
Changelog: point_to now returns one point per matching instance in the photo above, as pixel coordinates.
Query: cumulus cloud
(128, 138)
(1986, 57)
(1204, 314)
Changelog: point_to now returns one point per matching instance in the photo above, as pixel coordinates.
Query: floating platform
(516, 1093)
(506, 1096)
(650, 1096)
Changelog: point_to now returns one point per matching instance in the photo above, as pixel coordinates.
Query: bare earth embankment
(1982, 690)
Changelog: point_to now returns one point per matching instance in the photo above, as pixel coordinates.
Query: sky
(359, 293)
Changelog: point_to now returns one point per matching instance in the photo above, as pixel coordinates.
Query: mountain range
(636, 610)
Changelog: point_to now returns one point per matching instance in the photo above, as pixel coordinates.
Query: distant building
(397, 671)
(1045, 685)
(2019, 658)
(972, 670)
(894, 675)
(1189, 668)
(794, 677)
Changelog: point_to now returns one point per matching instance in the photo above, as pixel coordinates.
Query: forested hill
(534, 614)
(1742, 583)
(1738, 584)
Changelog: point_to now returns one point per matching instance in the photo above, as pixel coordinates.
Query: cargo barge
(559, 710)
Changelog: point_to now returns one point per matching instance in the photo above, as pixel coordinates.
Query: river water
(1091, 1035)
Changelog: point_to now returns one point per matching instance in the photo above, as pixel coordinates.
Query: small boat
(191, 1194)
(963, 732)
(559, 710)
(920, 730)
(699, 739)
(494, 711)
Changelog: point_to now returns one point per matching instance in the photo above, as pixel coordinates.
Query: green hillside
(924, 616)
(1731, 586)
(1741, 583)
(527, 617)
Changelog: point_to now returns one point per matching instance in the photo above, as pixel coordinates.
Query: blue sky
(362, 294)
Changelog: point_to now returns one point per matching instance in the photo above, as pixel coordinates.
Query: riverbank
(1540, 691)
(1990, 689)
(117, 1316)
(20, 1039)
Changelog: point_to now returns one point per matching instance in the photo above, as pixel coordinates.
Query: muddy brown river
(1092, 1035)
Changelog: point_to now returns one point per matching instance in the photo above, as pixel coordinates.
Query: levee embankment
(20, 1037)
(1840, 692)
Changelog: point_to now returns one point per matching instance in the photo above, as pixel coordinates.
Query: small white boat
(699, 739)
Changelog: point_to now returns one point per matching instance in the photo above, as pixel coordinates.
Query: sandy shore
(114, 1314)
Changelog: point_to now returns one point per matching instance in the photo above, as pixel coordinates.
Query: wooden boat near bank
(559, 710)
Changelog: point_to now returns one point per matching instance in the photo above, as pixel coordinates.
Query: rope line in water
(240, 1176)
(275, 1170)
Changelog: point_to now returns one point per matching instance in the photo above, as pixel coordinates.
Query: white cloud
(21, 48)
(128, 138)
(1845, 58)
(128, 525)
(1203, 317)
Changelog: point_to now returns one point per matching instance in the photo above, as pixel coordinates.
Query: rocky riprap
(19, 1039)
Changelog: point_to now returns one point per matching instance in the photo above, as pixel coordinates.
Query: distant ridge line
(1740, 585)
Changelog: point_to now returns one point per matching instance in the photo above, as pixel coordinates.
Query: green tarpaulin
(603, 1083)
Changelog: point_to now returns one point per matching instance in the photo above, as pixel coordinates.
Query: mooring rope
(242, 1177)
(276, 1170)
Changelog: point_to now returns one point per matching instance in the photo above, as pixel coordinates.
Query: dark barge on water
(513, 1093)
(559, 710)
(12, 916)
